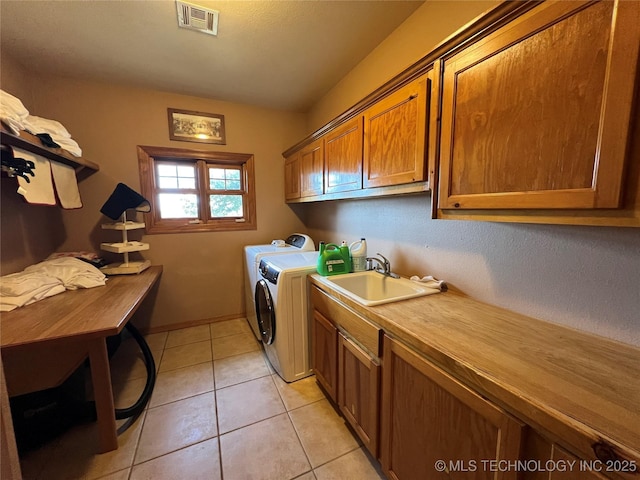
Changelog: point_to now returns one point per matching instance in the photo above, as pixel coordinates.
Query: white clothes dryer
(296, 242)
(282, 308)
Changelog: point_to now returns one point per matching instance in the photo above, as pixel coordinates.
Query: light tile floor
(218, 411)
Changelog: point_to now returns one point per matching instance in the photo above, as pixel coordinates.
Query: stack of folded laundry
(46, 279)
(14, 114)
(51, 181)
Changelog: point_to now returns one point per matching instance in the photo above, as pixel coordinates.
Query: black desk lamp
(122, 199)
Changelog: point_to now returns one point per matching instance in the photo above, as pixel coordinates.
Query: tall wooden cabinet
(429, 416)
(537, 114)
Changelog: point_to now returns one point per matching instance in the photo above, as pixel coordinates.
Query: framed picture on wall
(188, 126)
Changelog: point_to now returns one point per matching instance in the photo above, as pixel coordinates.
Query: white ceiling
(271, 53)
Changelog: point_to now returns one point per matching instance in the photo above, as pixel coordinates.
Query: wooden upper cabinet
(537, 114)
(292, 177)
(395, 137)
(343, 157)
(312, 169)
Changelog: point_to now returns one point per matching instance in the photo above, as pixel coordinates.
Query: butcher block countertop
(562, 381)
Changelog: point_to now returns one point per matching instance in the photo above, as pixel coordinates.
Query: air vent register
(197, 18)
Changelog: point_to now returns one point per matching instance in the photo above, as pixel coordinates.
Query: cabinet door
(292, 177)
(312, 169)
(359, 387)
(571, 468)
(343, 158)
(325, 354)
(537, 114)
(395, 137)
(428, 416)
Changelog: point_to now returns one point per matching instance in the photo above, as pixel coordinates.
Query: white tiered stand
(124, 247)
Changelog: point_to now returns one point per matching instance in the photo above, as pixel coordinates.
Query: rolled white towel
(430, 282)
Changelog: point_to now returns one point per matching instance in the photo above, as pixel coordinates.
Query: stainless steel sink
(372, 288)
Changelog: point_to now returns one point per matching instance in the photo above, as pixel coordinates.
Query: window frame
(201, 159)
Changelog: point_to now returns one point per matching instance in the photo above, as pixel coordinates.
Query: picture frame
(199, 127)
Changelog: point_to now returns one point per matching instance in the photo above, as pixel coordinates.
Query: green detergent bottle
(332, 260)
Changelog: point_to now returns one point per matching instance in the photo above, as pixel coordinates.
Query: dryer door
(265, 312)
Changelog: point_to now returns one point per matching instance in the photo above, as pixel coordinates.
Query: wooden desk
(43, 343)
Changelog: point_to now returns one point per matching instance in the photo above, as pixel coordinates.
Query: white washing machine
(297, 242)
(282, 307)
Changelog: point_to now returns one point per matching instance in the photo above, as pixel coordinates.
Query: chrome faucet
(384, 267)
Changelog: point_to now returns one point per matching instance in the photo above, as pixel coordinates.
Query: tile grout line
(146, 411)
(215, 393)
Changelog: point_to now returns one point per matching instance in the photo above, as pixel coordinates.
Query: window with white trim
(194, 191)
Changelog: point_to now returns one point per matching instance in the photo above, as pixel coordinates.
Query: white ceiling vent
(197, 18)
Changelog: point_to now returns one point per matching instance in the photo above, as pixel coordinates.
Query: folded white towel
(430, 282)
(8, 303)
(12, 112)
(24, 288)
(69, 144)
(72, 272)
(24, 282)
(46, 279)
(56, 130)
(49, 126)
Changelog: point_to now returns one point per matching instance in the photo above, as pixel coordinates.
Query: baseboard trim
(190, 323)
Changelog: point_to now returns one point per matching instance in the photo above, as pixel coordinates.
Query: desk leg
(101, 378)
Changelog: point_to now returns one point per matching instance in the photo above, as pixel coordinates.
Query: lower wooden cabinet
(424, 423)
(571, 467)
(346, 349)
(359, 391)
(324, 344)
(545, 460)
(434, 427)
